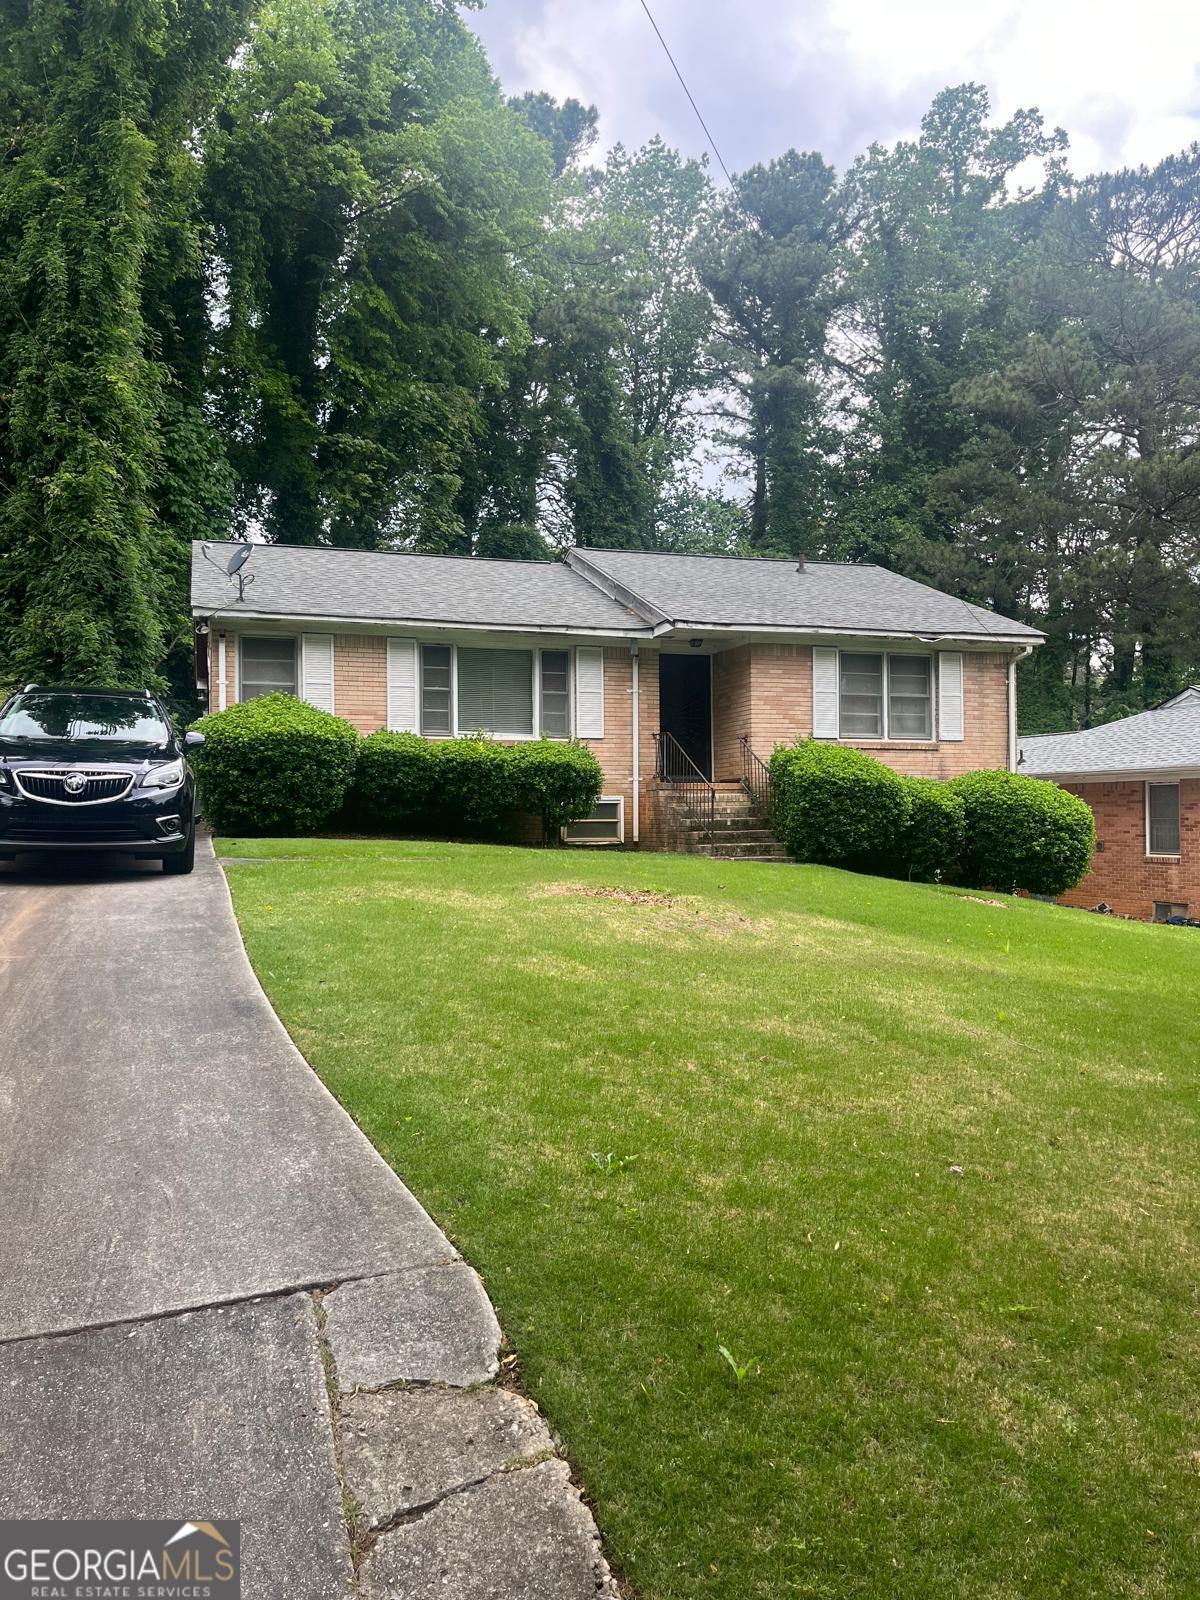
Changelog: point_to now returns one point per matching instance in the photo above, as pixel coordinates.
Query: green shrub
(555, 781)
(405, 781)
(931, 841)
(1023, 833)
(836, 806)
(395, 780)
(273, 765)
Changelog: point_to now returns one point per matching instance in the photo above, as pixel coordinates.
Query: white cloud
(834, 75)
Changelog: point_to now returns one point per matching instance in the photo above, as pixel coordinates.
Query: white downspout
(221, 692)
(637, 733)
(1017, 655)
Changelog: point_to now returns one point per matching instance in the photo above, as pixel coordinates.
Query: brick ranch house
(670, 667)
(1141, 777)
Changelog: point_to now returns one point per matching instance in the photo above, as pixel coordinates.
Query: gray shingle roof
(366, 585)
(714, 591)
(1166, 740)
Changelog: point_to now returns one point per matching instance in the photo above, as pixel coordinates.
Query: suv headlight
(168, 777)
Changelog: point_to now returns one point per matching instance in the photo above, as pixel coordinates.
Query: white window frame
(553, 650)
(887, 736)
(457, 732)
(297, 645)
(1162, 783)
(605, 799)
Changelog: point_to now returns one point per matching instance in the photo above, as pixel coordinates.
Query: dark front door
(685, 705)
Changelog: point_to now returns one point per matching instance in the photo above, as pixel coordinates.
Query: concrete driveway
(174, 1181)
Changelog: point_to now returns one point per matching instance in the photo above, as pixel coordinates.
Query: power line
(688, 92)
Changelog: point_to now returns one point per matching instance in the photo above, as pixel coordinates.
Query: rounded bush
(273, 765)
(555, 781)
(837, 806)
(395, 780)
(1023, 833)
(931, 841)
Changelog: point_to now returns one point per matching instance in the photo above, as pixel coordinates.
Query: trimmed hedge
(1023, 833)
(931, 841)
(837, 807)
(274, 764)
(403, 780)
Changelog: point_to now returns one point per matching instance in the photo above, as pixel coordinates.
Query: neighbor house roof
(1166, 740)
(762, 594)
(370, 586)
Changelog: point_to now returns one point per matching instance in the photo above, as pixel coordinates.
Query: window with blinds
(495, 692)
(1162, 819)
(268, 667)
(910, 697)
(556, 694)
(436, 709)
(860, 696)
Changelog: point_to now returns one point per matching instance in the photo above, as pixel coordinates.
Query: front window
(268, 667)
(436, 709)
(910, 697)
(495, 691)
(861, 696)
(1162, 819)
(94, 718)
(556, 694)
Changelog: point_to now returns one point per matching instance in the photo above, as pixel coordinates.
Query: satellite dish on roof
(233, 567)
(239, 559)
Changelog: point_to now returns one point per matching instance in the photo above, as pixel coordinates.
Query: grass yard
(926, 1166)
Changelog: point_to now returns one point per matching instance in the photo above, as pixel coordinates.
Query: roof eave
(327, 620)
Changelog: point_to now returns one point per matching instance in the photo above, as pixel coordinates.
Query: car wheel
(186, 859)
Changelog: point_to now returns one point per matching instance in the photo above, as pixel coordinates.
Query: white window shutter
(317, 670)
(402, 714)
(950, 694)
(589, 694)
(825, 694)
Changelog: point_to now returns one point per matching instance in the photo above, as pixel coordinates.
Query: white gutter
(1013, 751)
(221, 672)
(325, 620)
(637, 737)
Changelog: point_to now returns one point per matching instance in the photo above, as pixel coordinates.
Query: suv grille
(51, 784)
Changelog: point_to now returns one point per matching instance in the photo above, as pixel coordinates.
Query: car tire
(185, 860)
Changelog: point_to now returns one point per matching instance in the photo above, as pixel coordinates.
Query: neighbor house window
(556, 694)
(860, 695)
(1162, 819)
(495, 692)
(910, 697)
(436, 709)
(268, 667)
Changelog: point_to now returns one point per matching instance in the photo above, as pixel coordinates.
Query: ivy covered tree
(99, 434)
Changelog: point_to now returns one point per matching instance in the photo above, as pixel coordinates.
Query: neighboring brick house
(1141, 777)
(648, 658)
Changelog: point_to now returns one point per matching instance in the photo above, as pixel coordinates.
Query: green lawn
(927, 1165)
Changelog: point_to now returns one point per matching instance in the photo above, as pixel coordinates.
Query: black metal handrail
(673, 765)
(756, 779)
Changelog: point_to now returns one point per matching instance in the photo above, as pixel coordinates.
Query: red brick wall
(1122, 875)
(360, 680)
(765, 691)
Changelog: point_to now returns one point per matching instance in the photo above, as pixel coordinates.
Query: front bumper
(150, 822)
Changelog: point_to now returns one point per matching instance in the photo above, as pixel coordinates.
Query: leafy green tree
(373, 198)
(771, 264)
(101, 443)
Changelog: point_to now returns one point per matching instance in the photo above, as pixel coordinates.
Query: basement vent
(606, 825)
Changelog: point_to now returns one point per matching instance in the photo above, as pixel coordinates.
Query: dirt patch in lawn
(605, 891)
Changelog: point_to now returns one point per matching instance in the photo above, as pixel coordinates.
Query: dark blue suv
(95, 769)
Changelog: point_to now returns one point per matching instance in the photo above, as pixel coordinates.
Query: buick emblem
(74, 783)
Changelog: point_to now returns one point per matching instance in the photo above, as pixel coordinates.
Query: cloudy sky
(833, 75)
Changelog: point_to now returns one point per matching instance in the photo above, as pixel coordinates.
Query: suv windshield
(118, 717)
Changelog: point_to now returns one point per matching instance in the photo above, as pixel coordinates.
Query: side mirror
(192, 741)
